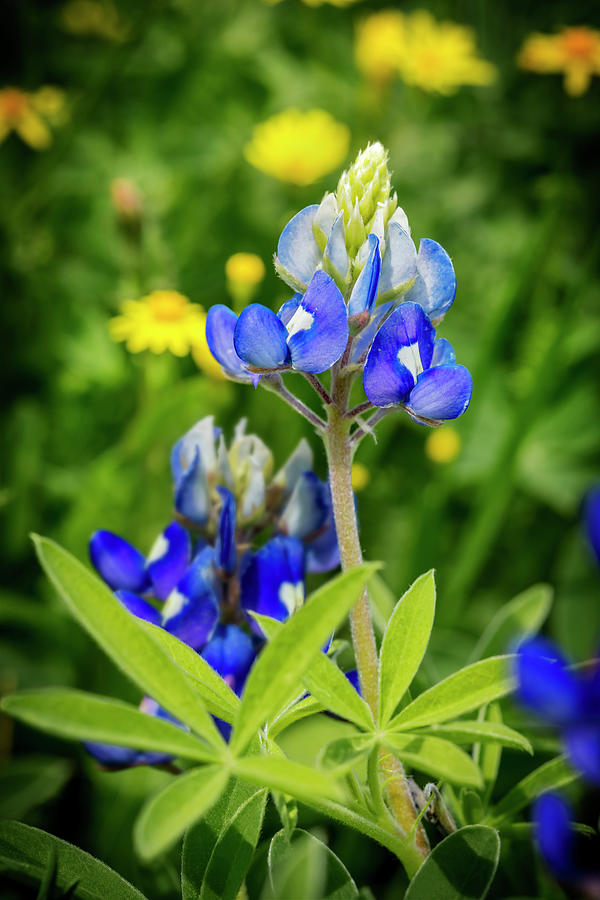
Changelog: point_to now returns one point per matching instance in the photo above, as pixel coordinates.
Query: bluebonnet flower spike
(400, 369)
(272, 579)
(191, 612)
(309, 334)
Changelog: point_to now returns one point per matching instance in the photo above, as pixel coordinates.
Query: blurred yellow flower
(442, 445)
(298, 147)
(380, 43)
(246, 269)
(360, 476)
(30, 114)
(573, 51)
(96, 18)
(434, 56)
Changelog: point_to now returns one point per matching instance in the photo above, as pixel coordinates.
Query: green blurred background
(504, 176)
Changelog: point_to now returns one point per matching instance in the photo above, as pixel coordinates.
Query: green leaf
(218, 696)
(553, 774)
(327, 683)
(465, 690)
(300, 709)
(123, 638)
(523, 615)
(178, 805)
(306, 867)
(280, 667)
(471, 731)
(202, 837)
(281, 774)
(344, 752)
(79, 716)
(436, 756)
(404, 643)
(233, 852)
(29, 781)
(462, 867)
(489, 755)
(29, 853)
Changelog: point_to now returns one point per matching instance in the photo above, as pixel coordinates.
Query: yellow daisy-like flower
(298, 147)
(30, 114)
(94, 18)
(380, 42)
(443, 444)
(573, 51)
(245, 269)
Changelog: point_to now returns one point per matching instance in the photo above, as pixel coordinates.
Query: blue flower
(220, 326)
(231, 653)
(308, 334)
(272, 579)
(570, 701)
(592, 520)
(406, 366)
(121, 566)
(193, 463)
(572, 857)
(191, 611)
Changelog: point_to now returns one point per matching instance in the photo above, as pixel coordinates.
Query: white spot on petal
(410, 357)
(291, 595)
(173, 605)
(160, 548)
(302, 320)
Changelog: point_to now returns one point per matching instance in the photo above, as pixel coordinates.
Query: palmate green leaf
(462, 867)
(31, 854)
(233, 852)
(87, 717)
(178, 805)
(216, 693)
(435, 756)
(404, 643)
(523, 615)
(284, 661)
(201, 838)
(305, 867)
(123, 638)
(551, 775)
(327, 683)
(471, 731)
(289, 777)
(461, 692)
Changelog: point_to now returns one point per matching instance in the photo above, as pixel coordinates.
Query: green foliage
(30, 781)
(551, 775)
(303, 866)
(462, 867)
(522, 616)
(33, 856)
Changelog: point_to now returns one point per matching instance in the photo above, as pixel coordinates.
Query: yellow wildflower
(298, 147)
(380, 43)
(360, 476)
(442, 445)
(163, 320)
(94, 18)
(244, 272)
(573, 51)
(30, 114)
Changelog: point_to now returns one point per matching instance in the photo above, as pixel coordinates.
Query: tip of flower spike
(367, 182)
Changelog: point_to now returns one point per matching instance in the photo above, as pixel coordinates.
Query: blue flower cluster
(204, 574)
(373, 303)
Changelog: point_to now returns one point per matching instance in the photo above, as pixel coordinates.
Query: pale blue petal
(435, 287)
(364, 291)
(441, 393)
(260, 338)
(306, 511)
(443, 353)
(399, 266)
(318, 330)
(300, 461)
(192, 497)
(290, 306)
(363, 341)
(297, 252)
(335, 258)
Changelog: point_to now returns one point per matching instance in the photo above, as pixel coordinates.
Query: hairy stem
(319, 388)
(275, 383)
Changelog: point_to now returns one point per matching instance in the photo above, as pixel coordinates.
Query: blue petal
(220, 326)
(317, 333)
(364, 291)
(297, 252)
(260, 338)
(272, 580)
(139, 607)
(354, 680)
(288, 309)
(168, 559)
(192, 498)
(307, 510)
(443, 353)
(191, 612)
(335, 257)
(592, 520)
(583, 747)
(399, 267)
(231, 653)
(402, 349)
(435, 287)
(362, 343)
(441, 393)
(225, 547)
(323, 552)
(544, 683)
(120, 565)
(554, 834)
(202, 437)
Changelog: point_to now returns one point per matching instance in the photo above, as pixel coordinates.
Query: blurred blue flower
(114, 757)
(591, 516)
(569, 700)
(406, 366)
(572, 857)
